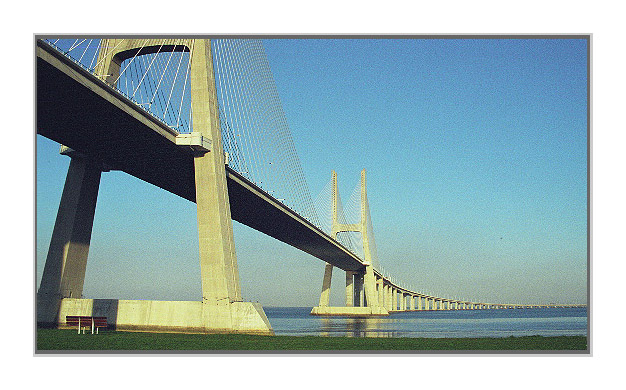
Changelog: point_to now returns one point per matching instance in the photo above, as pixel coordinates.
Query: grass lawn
(69, 340)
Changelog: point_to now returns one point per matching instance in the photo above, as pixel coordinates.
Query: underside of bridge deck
(77, 110)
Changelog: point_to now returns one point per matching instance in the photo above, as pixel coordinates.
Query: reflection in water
(456, 323)
(354, 327)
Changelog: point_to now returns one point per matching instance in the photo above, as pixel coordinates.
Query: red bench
(85, 322)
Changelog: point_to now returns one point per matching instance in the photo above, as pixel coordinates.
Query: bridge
(188, 116)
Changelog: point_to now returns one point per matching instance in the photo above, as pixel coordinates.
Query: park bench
(85, 322)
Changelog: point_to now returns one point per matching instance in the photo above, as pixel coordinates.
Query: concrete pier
(325, 296)
(349, 288)
(66, 263)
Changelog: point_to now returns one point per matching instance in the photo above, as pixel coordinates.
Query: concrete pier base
(169, 316)
(355, 311)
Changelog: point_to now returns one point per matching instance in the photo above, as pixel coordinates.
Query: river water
(296, 321)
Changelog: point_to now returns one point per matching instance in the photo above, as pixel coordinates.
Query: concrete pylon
(221, 308)
(369, 279)
(356, 281)
(328, 269)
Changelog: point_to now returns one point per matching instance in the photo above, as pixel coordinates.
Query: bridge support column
(412, 302)
(369, 288)
(380, 291)
(358, 289)
(328, 275)
(386, 295)
(349, 289)
(218, 261)
(66, 263)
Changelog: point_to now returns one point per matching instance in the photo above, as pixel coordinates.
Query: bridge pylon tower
(222, 308)
(364, 294)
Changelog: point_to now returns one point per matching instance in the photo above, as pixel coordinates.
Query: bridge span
(76, 109)
(102, 130)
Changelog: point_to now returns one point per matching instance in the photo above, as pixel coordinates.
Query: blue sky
(476, 154)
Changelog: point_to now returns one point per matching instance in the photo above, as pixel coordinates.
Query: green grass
(69, 340)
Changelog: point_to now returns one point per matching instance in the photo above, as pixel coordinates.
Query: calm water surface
(296, 321)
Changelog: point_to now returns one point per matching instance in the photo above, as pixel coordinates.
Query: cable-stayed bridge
(201, 119)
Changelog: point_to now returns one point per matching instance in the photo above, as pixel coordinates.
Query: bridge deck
(76, 109)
